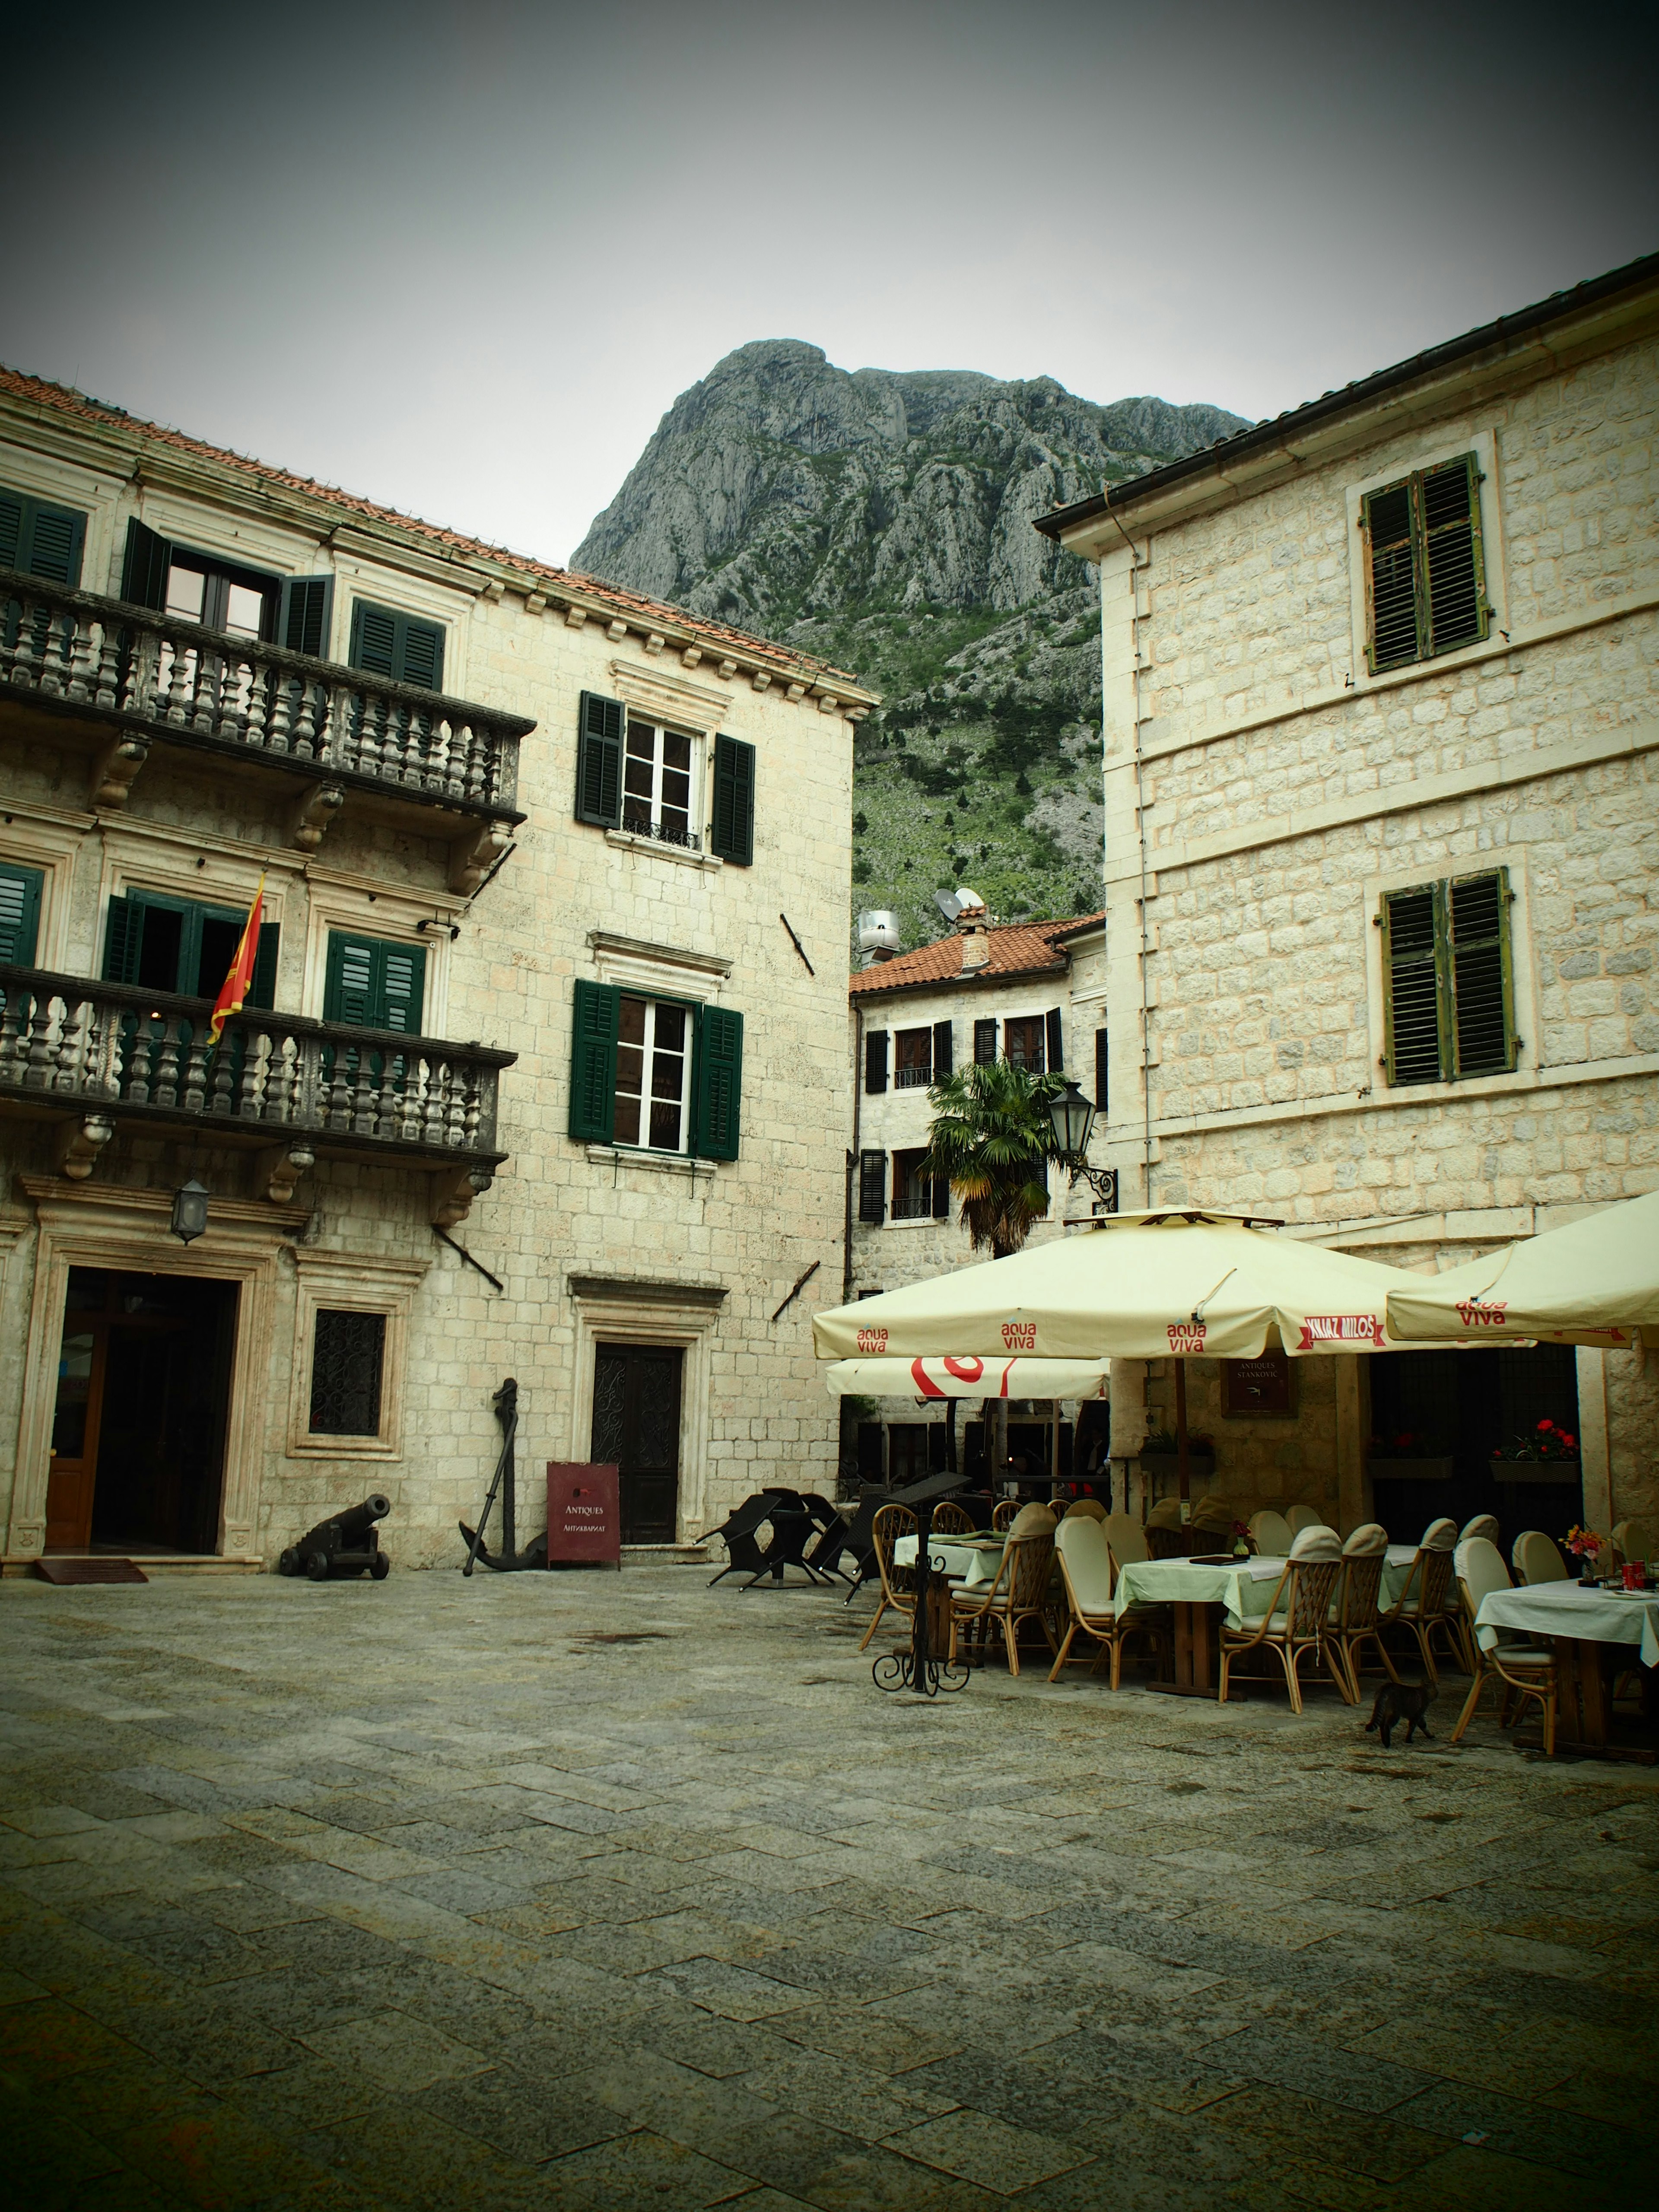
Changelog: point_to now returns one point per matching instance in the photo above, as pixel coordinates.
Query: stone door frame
(677, 1316)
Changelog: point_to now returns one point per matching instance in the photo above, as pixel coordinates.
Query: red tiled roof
(62, 399)
(1018, 948)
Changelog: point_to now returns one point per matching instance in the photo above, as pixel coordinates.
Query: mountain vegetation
(883, 520)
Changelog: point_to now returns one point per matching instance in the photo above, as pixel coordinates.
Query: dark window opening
(913, 1192)
(346, 1359)
(1024, 1043)
(914, 1052)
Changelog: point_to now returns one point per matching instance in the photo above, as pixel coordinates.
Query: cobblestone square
(596, 1890)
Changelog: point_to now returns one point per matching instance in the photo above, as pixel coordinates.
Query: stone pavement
(585, 1889)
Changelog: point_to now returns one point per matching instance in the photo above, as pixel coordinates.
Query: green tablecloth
(1592, 1615)
(1245, 1587)
(972, 1559)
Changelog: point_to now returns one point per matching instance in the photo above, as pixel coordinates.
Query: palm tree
(991, 1136)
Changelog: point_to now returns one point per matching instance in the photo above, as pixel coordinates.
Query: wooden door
(636, 1428)
(81, 1360)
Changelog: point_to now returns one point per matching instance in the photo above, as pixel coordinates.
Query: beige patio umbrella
(968, 1378)
(1595, 1282)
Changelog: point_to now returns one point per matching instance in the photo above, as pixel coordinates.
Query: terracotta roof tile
(1018, 948)
(62, 399)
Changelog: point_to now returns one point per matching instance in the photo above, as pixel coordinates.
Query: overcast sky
(460, 255)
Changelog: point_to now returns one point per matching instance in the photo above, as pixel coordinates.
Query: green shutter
(596, 1016)
(733, 834)
(370, 984)
(1482, 987)
(599, 724)
(1453, 566)
(41, 540)
(262, 984)
(20, 913)
(306, 614)
(386, 643)
(144, 569)
(1395, 639)
(717, 1083)
(123, 937)
(1415, 999)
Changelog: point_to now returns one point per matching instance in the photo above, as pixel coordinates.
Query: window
(1426, 569)
(872, 1187)
(348, 1360)
(400, 646)
(372, 983)
(175, 944)
(658, 792)
(660, 1075)
(19, 913)
(1024, 1043)
(917, 1197)
(1103, 1064)
(41, 540)
(198, 588)
(1449, 991)
(914, 1059)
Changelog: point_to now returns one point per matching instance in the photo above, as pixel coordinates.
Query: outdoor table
(1581, 1621)
(971, 1560)
(1198, 1590)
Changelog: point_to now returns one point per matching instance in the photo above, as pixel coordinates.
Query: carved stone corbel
(618, 631)
(116, 768)
(315, 810)
(278, 1169)
(691, 656)
(79, 1144)
(797, 691)
(728, 669)
(761, 679)
(574, 617)
(453, 1193)
(472, 857)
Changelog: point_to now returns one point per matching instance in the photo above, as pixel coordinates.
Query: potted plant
(1546, 1454)
(1160, 1455)
(1407, 1456)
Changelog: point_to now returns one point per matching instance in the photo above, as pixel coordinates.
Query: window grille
(348, 1358)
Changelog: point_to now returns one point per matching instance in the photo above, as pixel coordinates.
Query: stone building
(1382, 848)
(1033, 992)
(554, 892)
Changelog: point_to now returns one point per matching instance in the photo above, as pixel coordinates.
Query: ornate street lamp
(189, 1211)
(1073, 1119)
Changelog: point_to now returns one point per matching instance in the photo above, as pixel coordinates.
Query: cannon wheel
(289, 1562)
(317, 1566)
(380, 1567)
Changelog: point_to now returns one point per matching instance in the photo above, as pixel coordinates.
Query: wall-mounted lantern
(189, 1211)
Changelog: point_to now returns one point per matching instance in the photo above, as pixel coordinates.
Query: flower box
(1410, 1470)
(1534, 1470)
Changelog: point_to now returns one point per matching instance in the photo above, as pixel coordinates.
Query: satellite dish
(948, 904)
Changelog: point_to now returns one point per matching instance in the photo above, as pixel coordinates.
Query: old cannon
(345, 1544)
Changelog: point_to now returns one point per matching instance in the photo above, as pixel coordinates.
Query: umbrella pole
(1180, 1427)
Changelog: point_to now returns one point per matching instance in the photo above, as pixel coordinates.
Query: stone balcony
(128, 679)
(91, 1056)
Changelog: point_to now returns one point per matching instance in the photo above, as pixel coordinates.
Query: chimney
(975, 944)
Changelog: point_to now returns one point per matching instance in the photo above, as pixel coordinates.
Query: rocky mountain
(883, 521)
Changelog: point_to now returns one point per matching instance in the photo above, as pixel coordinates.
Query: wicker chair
(1003, 1513)
(1086, 1509)
(1633, 1540)
(1272, 1533)
(1087, 1576)
(1536, 1559)
(1303, 1515)
(1128, 1541)
(950, 1519)
(1430, 1600)
(1526, 1670)
(1020, 1593)
(1354, 1620)
(898, 1584)
(1297, 1619)
(1483, 1525)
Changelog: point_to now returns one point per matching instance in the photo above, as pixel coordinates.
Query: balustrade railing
(99, 1045)
(167, 677)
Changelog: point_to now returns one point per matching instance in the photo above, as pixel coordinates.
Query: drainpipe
(1136, 566)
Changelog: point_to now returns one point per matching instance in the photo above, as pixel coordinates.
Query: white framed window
(654, 1072)
(660, 783)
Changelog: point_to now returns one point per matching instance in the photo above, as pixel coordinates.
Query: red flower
(1544, 1427)
(1572, 1443)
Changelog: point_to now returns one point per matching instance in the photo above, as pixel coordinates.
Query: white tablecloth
(974, 1560)
(1592, 1615)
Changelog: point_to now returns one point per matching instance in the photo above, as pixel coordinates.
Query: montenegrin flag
(234, 989)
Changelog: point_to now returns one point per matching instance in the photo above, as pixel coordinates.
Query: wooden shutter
(596, 1016)
(262, 984)
(41, 540)
(599, 725)
(20, 913)
(144, 568)
(732, 837)
(875, 1063)
(370, 984)
(1056, 1059)
(1414, 1001)
(941, 1198)
(306, 616)
(1483, 1023)
(402, 987)
(386, 643)
(1102, 1068)
(718, 1080)
(124, 938)
(1454, 590)
(943, 1042)
(984, 1044)
(1391, 584)
(872, 1187)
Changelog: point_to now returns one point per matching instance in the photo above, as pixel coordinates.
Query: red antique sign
(1339, 1328)
(584, 1521)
